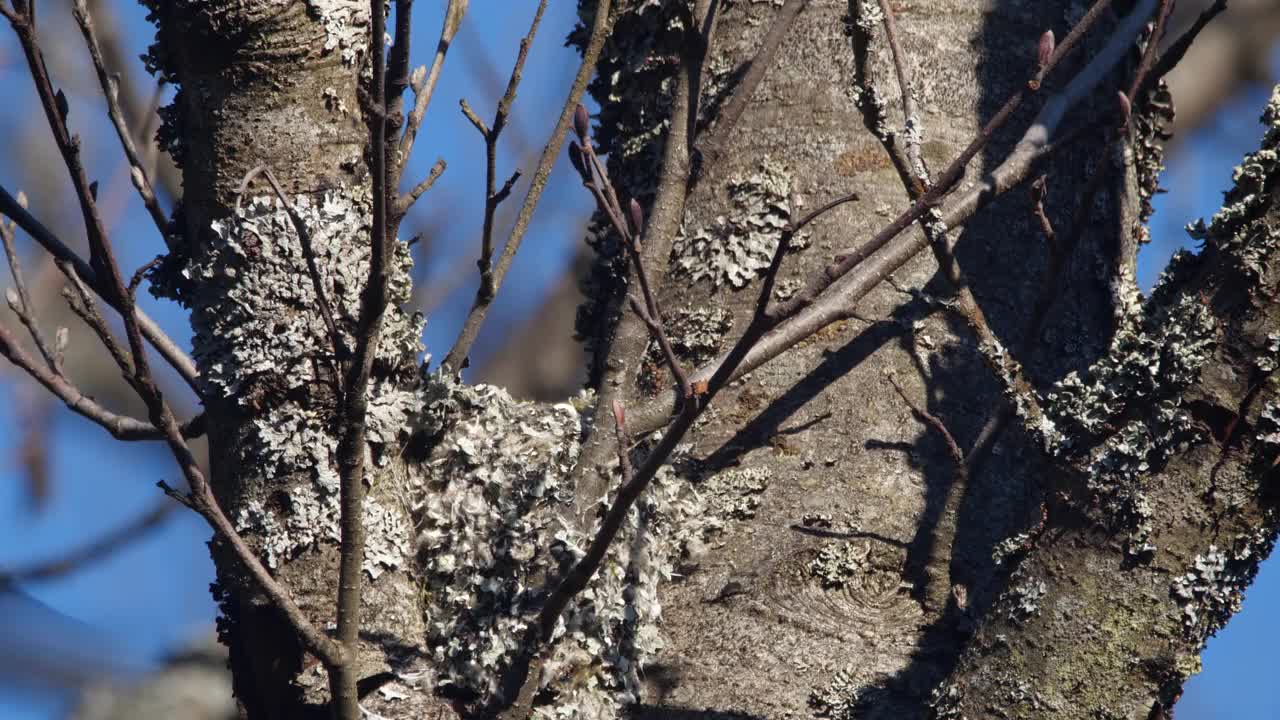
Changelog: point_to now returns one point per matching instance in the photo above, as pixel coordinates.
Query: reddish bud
(637, 218)
(1045, 49)
(1126, 109)
(619, 414)
(581, 123)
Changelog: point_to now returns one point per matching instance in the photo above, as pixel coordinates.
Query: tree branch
(111, 91)
(479, 309)
(423, 88)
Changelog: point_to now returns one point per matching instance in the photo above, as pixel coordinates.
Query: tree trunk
(817, 548)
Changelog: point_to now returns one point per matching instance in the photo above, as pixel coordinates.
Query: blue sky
(152, 596)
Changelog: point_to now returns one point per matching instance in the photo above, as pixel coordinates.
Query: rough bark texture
(809, 551)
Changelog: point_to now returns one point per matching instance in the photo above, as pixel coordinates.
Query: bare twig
(849, 281)
(941, 579)
(354, 406)
(121, 427)
(81, 302)
(916, 182)
(167, 348)
(493, 196)
(407, 200)
(103, 275)
(1050, 114)
(713, 146)
(479, 310)
(423, 88)
(398, 78)
(23, 307)
(911, 116)
(111, 91)
(595, 179)
(93, 552)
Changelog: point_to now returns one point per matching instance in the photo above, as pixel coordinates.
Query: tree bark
(813, 549)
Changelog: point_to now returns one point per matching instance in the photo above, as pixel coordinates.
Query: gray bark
(809, 550)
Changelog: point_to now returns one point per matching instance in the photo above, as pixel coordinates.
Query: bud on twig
(60, 340)
(1126, 108)
(619, 414)
(15, 303)
(1045, 49)
(637, 219)
(581, 123)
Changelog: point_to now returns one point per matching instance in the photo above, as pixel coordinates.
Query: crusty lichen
(262, 344)
(1212, 588)
(737, 247)
(491, 534)
(346, 27)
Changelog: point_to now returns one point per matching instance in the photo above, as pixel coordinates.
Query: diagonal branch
(480, 309)
(165, 345)
(111, 91)
(424, 88)
(491, 134)
(121, 427)
(713, 146)
(885, 253)
(104, 276)
(20, 300)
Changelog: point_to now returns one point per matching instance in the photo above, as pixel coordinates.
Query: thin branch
(93, 552)
(121, 427)
(1173, 55)
(1050, 114)
(111, 91)
(423, 88)
(492, 196)
(595, 179)
(165, 345)
(103, 275)
(398, 78)
(407, 200)
(848, 284)
(911, 116)
(345, 698)
(713, 146)
(941, 578)
(1008, 371)
(23, 307)
(81, 302)
(479, 309)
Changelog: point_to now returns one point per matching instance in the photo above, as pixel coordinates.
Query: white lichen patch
(492, 535)
(737, 247)
(735, 494)
(346, 26)
(1212, 588)
(1158, 352)
(262, 343)
(840, 699)
(838, 563)
(1240, 226)
(1023, 600)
